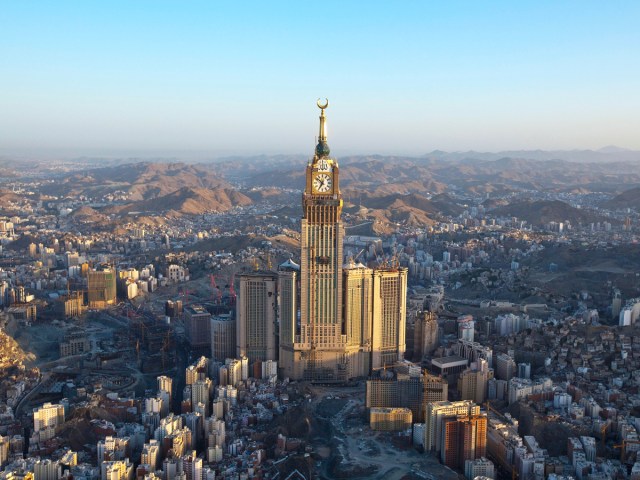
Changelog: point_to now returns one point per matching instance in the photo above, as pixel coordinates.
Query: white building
(480, 467)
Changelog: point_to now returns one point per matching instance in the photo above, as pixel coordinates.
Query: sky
(239, 78)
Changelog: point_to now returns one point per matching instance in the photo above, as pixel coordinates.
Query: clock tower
(320, 351)
(352, 318)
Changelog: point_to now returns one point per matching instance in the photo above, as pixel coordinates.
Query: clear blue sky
(243, 77)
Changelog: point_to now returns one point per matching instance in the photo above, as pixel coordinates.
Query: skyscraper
(256, 311)
(464, 438)
(393, 389)
(389, 316)
(288, 290)
(352, 318)
(223, 337)
(101, 286)
(358, 317)
(320, 350)
(473, 382)
(197, 327)
(435, 414)
(425, 335)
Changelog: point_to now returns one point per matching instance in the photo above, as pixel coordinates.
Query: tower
(101, 285)
(425, 335)
(389, 316)
(616, 304)
(320, 351)
(256, 313)
(464, 437)
(358, 317)
(473, 382)
(223, 337)
(288, 301)
(352, 318)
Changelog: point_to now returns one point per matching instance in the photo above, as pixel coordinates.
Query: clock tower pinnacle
(322, 149)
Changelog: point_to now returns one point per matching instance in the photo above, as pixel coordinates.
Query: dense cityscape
(211, 271)
(230, 344)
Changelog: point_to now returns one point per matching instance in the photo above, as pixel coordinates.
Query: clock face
(323, 166)
(322, 183)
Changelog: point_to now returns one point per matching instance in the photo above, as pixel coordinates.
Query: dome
(322, 149)
(289, 265)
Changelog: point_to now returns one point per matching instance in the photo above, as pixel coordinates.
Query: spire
(322, 149)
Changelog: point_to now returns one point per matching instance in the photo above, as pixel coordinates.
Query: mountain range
(387, 190)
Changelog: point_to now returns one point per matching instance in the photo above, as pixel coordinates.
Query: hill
(409, 210)
(627, 199)
(189, 201)
(87, 214)
(136, 181)
(545, 211)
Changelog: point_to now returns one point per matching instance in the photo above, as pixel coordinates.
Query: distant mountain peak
(613, 149)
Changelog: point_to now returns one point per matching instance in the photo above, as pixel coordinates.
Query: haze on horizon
(151, 77)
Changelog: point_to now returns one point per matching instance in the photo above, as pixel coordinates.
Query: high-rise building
(616, 303)
(288, 301)
(48, 415)
(223, 337)
(358, 317)
(192, 466)
(113, 448)
(4, 293)
(197, 326)
(165, 384)
(117, 470)
(480, 467)
(473, 351)
(199, 370)
(5, 446)
(320, 350)
(101, 286)
(473, 382)
(151, 454)
(256, 317)
(389, 316)
(201, 393)
(352, 318)
(390, 419)
(466, 327)
(425, 335)
(524, 370)
(464, 437)
(391, 389)
(46, 469)
(434, 416)
(505, 367)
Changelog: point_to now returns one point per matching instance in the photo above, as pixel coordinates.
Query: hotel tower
(352, 318)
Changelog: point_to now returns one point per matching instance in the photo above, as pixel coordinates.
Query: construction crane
(215, 290)
(232, 290)
(354, 259)
(165, 346)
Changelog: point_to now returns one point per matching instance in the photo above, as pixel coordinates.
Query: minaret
(320, 350)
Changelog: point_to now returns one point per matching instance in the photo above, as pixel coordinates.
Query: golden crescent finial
(322, 107)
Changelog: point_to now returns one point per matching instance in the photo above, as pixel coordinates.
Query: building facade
(197, 326)
(101, 285)
(352, 319)
(223, 337)
(256, 317)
